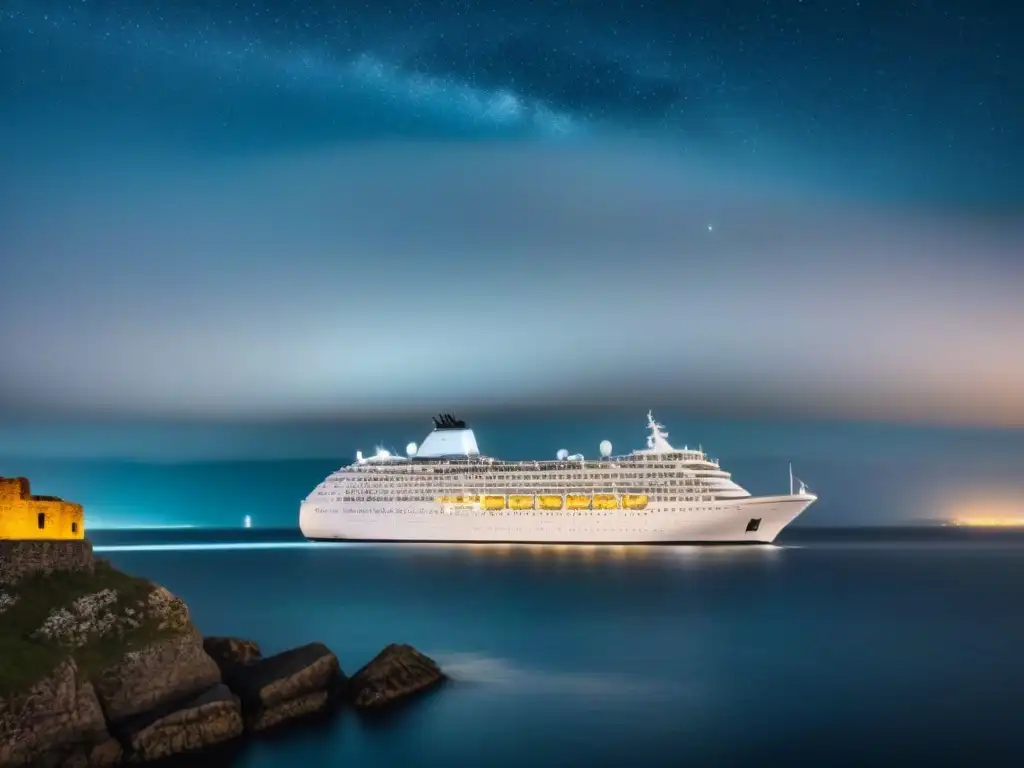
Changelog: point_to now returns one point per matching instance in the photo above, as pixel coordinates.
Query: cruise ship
(447, 491)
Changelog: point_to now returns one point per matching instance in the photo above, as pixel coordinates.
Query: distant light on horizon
(990, 522)
(997, 510)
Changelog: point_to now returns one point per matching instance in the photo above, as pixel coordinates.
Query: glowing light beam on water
(212, 547)
(102, 527)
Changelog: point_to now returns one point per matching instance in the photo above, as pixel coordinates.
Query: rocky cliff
(98, 667)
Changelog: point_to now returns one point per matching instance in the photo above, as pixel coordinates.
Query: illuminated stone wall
(19, 559)
(26, 517)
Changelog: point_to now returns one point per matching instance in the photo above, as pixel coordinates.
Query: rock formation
(292, 684)
(98, 667)
(397, 672)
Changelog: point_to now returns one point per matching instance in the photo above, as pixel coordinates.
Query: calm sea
(870, 647)
(881, 646)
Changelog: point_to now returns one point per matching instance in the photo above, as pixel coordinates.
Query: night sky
(288, 210)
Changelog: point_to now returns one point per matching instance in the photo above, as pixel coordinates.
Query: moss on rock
(94, 618)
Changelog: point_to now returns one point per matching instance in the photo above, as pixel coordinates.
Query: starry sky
(218, 210)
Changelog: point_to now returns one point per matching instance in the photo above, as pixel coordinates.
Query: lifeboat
(494, 502)
(605, 501)
(577, 502)
(634, 501)
(458, 499)
(550, 502)
(520, 502)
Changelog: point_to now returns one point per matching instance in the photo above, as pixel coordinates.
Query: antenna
(791, 478)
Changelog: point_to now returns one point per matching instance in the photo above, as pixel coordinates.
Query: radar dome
(606, 448)
(562, 454)
(410, 449)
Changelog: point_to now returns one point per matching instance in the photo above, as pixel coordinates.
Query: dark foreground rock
(55, 722)
(100, 668)
(230, 652)
(395, 674)
(170, 670)
(213, 717)
(297, 683)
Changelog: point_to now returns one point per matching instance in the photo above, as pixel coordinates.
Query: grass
(25, 660)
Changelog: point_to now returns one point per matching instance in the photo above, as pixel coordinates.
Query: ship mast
(657, 441)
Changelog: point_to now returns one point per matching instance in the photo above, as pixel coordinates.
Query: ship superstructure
(445, 490)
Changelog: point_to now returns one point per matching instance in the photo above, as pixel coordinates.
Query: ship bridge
(692, 462)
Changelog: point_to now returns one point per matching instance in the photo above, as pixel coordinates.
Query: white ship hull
(450, 493)
(721, 521)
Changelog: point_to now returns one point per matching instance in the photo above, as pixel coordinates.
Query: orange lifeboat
(494, 502)
(605, 501)
(550, 502)
(520, 502)
(577, 502)
(634, 501)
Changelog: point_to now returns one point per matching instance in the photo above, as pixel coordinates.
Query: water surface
(836, 647)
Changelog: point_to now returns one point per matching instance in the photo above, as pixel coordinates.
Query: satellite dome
(410, 449)
(606, 448)
(562, 454)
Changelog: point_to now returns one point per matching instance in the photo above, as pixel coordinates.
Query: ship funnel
(451, 437)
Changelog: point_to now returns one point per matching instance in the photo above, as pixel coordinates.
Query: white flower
(88, 617)
(6, 601)
(98, 614)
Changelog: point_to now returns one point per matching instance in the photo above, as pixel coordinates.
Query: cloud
(393, 277)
